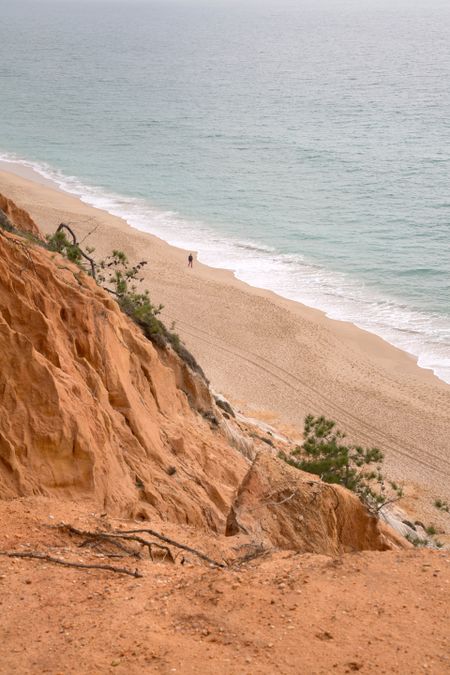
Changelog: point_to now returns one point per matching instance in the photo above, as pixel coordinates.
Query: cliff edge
(91, 409)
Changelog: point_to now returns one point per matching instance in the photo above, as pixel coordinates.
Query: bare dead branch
(95, 543)
(148, 544)
(131, 535)
(110, 290)
(65, 563)
(282, 501)
(89, 233)
(63, 226)
(386, 503)
(177, 544)
(111, 537)
(258, 552)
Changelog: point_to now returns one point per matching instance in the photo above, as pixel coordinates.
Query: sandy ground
(276, 359)
(283, 613)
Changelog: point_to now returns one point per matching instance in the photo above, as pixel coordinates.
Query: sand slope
(283, 613)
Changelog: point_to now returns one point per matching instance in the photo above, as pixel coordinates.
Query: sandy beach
(273, 358)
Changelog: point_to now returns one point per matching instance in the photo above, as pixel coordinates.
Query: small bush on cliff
(325, 454)
(5, 222)
(120, 278)
(59, 243)
(116, 275)
(416, 541)
(442, 505)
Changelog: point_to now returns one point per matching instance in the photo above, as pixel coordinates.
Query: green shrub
(5, 222)
(442, 505)
(117, 276)
(416, 541)
(140, 309)
(121, 279)
(325, 454)
(59, 243)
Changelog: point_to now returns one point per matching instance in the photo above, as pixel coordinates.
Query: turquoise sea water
(304, 145)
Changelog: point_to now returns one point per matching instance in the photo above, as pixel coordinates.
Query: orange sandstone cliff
(12, 214)
(92, 410)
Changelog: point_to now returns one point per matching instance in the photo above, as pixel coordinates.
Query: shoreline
(137, 216)
(30, 174)
(274, 358)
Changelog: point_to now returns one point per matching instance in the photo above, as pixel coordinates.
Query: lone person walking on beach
(190, 260)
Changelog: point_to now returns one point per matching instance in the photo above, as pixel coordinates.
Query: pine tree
(325, 454)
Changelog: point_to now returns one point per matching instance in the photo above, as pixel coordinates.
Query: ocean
(303, 145)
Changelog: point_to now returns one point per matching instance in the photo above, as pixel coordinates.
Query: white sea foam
(424, 335)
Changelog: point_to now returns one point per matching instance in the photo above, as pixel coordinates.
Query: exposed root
(172, 542)
(133, 535)
(92, 538)
(66, 563)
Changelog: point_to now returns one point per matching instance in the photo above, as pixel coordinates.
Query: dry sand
(377, 613)
(273, 358)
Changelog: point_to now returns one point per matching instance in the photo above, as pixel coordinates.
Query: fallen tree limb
(65, 563)
(95, 543)
(111, 537)
(130, 535)
(258, 552)
(172, 542)
(148, 544)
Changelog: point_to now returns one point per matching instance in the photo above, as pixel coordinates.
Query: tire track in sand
(309, 394)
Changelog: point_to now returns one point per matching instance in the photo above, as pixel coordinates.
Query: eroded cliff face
(90, 409)
(9, 211)
(280, 506)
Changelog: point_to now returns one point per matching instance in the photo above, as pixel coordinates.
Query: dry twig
(258, 551)
(96, 543)
(172, 542)
(131, 535)
(111, 537)
(65, 563)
